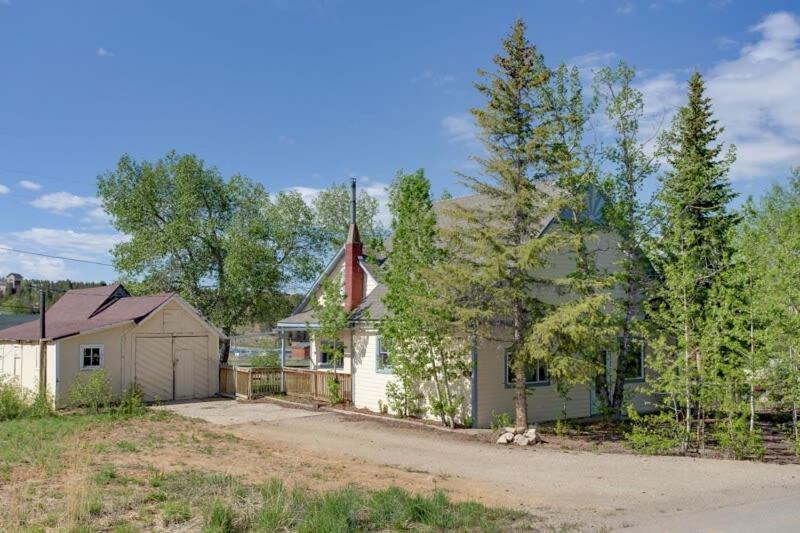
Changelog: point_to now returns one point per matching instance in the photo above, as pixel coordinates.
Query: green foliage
(334, 389)
(221, 518)
(130, 403)
(501, 420)
(736, 440)
(227, 246)
(265, 360)
(654, 434)
(404, 399)
(173, 513)
(26, 299)
(332, 217)
(15, 400)
(91, 390)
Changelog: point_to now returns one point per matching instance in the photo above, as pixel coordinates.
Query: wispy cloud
(626, 8)
(754, 96)
(375, 188)
(30, 185)
(459, 128)
(103, 52)
(4, 189)
(63, 202)
(435, 79)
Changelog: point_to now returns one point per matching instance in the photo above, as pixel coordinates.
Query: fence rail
(252, 382)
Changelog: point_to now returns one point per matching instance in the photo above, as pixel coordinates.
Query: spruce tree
(693, 250)
(496, 248)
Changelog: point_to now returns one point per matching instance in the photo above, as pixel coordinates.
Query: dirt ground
(589, 490)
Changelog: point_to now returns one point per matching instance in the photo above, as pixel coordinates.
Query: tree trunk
(520, 391)
(225, 345)
(687, 392)
(752, 407)
(446, 384)
(435, 376)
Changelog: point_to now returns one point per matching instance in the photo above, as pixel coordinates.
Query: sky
(304, 94)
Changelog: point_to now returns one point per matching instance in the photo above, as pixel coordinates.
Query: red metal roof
(83, 310)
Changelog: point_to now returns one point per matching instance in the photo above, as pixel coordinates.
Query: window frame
(540, 367)
(101, 354)
(328, 364)
(386, 367)
(642, 351)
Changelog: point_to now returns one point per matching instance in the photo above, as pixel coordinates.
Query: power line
(89, 261)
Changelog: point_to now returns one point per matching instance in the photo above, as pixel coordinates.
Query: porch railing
(253, 382)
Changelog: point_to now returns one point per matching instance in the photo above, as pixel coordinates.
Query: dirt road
(593, 490)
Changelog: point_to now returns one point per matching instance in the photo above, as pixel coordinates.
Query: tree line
(708, 291)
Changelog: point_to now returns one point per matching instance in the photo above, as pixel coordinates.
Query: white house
(488, 390)
(159, 342)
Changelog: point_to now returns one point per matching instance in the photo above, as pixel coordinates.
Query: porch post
(283, 358)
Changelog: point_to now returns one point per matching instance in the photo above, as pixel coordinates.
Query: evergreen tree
(693, 250)
(496, 248)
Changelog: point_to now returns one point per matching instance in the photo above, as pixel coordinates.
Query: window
(631, 364)
(535, 374)
(383, 362)
(91, 356)
(330, 352)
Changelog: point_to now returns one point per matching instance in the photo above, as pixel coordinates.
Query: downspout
(474, 384)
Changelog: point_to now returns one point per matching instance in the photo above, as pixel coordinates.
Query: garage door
(168, 368)
(153, 367)
(191, 367)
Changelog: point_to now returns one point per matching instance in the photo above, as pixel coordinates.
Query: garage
(172, 368)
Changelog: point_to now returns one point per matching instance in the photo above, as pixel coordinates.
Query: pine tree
(693, 250)
(630, 166)
(496, 248)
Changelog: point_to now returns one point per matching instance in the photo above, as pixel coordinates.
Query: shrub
(221, 518)
(403, 398)
(334, 389)
(657, 434)
(736, 441)
(130, 403)
(91, 390)
(15, 400)
(175, 512)
(42, 406)
(501, 420)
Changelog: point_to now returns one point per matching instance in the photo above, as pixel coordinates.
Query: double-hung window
(535, 373)
(631, 364)
(91, 356)
(331, 354)
(383, 361)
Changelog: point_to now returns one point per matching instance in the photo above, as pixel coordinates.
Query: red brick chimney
(353, 249)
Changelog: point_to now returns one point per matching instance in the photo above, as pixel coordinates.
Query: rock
(509, 429)
(505, 438)
(532, 435)
(521, 440)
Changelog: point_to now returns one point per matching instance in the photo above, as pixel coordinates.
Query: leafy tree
(496, 249)
(332, 321)
(332, 217)
(693, 251)
(629, 166)
(224, 245)
(417, 330)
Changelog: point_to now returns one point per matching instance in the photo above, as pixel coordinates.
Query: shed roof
(83, 310)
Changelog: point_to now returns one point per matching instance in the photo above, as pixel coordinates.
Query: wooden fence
(251, 382)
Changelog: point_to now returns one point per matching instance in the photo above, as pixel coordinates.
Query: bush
(221, 519)
(736, 441)
(334, 389)
(15, 400)
(91, 390)
(403, 398)
(657, 434)
(501, 420)
(130, 403)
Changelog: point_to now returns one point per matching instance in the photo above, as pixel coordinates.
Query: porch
(255, 382)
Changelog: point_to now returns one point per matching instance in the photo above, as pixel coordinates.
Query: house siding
(369, 384)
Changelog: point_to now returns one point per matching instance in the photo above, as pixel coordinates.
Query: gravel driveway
(593, 490)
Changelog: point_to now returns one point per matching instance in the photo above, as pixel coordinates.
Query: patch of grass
(175, 512)
(221, 518)
(127, 446)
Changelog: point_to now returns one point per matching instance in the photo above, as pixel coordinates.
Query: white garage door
(153, 367)
(168, 368)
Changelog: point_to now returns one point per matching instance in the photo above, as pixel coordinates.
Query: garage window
(91, 356)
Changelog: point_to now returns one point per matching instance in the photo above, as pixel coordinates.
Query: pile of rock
(511, 436)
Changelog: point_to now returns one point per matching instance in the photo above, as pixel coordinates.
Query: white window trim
(537, 383)
(387, 369)
(102, 356)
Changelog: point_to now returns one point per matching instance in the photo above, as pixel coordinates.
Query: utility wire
(55, 256)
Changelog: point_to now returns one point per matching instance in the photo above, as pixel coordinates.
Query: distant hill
(26, 300)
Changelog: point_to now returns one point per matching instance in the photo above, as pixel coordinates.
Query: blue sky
(303, 94)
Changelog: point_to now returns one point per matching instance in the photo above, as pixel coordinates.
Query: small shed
(159, 342)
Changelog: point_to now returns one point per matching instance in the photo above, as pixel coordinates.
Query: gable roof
(84, 310)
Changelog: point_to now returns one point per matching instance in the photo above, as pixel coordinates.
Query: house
(159, 342)
(10, 285)
(488, 390)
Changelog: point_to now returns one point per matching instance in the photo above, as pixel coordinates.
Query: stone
(521, 440)
(509, 429)
(532, 435)
(505, 438)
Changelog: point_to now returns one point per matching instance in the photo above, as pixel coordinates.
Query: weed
(91, 390)
(175, 512)
(127, 446)
(501, 420)
(221, 518)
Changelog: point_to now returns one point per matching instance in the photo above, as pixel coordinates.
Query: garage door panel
(153, 367)
(191, 367)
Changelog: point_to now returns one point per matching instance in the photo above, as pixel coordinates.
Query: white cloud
(436, 79)
(626, 9)
(102, 52)
(377, 189)
(460, 128)
(67, 242)
(30, 185)
(32, 266)
(754, 96)
(98, 215)
(4, 189)
(63, 202)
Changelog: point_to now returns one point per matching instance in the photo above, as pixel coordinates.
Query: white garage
(158, 342)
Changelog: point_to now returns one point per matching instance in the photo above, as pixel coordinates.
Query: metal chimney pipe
(353, 201)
